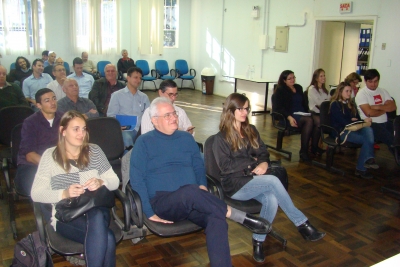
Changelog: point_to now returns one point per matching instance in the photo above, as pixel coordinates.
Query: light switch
(383, 46)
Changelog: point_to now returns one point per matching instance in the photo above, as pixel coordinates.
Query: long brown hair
(227, 124)
(314, 81)
(337, 96)
(60, 153)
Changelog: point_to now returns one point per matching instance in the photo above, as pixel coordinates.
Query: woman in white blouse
(317, 92)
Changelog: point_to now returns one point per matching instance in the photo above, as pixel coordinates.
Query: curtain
(151, 30)
(94, 26)
(22, 27)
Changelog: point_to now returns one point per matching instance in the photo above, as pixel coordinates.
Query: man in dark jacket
(103, 88)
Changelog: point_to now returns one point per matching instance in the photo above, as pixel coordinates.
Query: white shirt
(372, 97)
(316, 98)
(57, 89)
(183, 120)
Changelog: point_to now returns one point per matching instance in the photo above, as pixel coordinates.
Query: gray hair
(155, 103)
(67, 80)
(123, 50)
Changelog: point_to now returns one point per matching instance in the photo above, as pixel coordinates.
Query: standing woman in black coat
(288, 99)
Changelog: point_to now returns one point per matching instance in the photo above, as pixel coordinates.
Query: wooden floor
(362, 223)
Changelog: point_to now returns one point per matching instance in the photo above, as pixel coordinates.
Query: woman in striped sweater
(69, 169)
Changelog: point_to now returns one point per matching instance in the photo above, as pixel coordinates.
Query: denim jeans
(383, 132)
(92, 231)
(365, 137)
(269, 191)
(189, 202)
(128, 137)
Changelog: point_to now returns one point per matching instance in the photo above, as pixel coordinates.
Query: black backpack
(31, 252)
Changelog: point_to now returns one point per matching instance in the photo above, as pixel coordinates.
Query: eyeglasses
(168, 116)
(173, 95)
(242, 109)
(294, 77)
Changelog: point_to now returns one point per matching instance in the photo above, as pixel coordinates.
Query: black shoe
(318, 151)
(363, 174)
(304, 157)
(309, 232)
(256, 224)
(258, 251)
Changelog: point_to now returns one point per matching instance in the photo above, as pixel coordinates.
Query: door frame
(355, 19)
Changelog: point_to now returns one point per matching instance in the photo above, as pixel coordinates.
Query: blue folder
(127, 120)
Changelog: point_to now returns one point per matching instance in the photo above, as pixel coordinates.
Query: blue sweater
(341, 115)
(161, 162)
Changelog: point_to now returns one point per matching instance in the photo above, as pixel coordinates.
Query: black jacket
(98, 94)
(232, 164)
(282, 100)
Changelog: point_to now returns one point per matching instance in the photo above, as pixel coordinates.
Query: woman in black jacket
(288, 99)
(243, 160)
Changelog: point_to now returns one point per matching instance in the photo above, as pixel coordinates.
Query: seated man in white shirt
(168, 89)
(85, 81)
(374, 102)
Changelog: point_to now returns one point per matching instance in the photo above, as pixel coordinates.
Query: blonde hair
(337, 96)
(60, 152)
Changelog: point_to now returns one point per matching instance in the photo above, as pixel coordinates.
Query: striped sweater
(51, 180)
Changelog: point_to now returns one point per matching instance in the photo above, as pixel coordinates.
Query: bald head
(85, 56)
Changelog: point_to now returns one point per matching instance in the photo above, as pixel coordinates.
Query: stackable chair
(144, 66)
(182, 71)
(215, 186)
(12, 66)
(328, 136)
(280, 122)
(163, 71)
(100, 67)
(66, 247)
(107, 134)
(394, 189)
(67, 69)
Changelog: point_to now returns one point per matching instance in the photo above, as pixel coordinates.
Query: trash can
(207, 81)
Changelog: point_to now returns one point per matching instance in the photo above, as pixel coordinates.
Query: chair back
(181, 66)
(12, 66)
(100, 67)
(162, 67)
(15, 143)
(210, 163)
(107, 134)
(67, 69)
(324, 116)
(393, 114)
(9, 118)
(144, 66)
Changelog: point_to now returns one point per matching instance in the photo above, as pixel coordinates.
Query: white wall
(207, 18)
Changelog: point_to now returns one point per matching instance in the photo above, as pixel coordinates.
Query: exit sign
(345, 7)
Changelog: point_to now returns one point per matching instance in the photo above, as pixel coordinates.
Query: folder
(128, 121)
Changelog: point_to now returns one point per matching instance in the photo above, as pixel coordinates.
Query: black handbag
(71, 208)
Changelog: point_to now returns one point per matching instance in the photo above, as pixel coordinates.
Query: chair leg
(330, 152)
(181, 84)
(142, 84)
(279, 142)
(12, 213)
(155, 87)
(194, 88)
(278, 237)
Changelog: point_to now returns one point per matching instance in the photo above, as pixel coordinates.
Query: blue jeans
(383, 132)
(128, 137)
(269, 191)
(189, 202)
(364, 137)
(92, 231)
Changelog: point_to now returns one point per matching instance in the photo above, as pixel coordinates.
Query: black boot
(256, 224)
(258, 251)
(309, 232)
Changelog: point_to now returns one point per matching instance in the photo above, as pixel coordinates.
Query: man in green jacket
(10, 93)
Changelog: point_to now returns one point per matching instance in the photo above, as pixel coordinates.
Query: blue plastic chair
(144, 66)
(67, 69)
(100, 67)
(182, 69)
(12, 66)
(162, 70)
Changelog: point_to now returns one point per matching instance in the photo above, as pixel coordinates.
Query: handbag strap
(345, 137)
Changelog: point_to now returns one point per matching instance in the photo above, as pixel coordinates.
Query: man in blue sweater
(168, 173)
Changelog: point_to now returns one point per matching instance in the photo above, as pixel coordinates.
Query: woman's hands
(261, 168)
(292, 121)
(75, 190)
(93, 184)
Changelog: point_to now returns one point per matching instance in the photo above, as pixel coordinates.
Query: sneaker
(363, 174)
(376, 146)
(371, 164)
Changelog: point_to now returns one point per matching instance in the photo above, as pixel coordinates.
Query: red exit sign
(346, 7)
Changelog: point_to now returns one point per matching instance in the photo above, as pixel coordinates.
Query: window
(22, 27)
(95, 28)
(171, 22)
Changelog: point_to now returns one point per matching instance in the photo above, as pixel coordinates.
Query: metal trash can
(207, 81)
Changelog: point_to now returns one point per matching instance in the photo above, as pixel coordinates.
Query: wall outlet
(383, 46)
